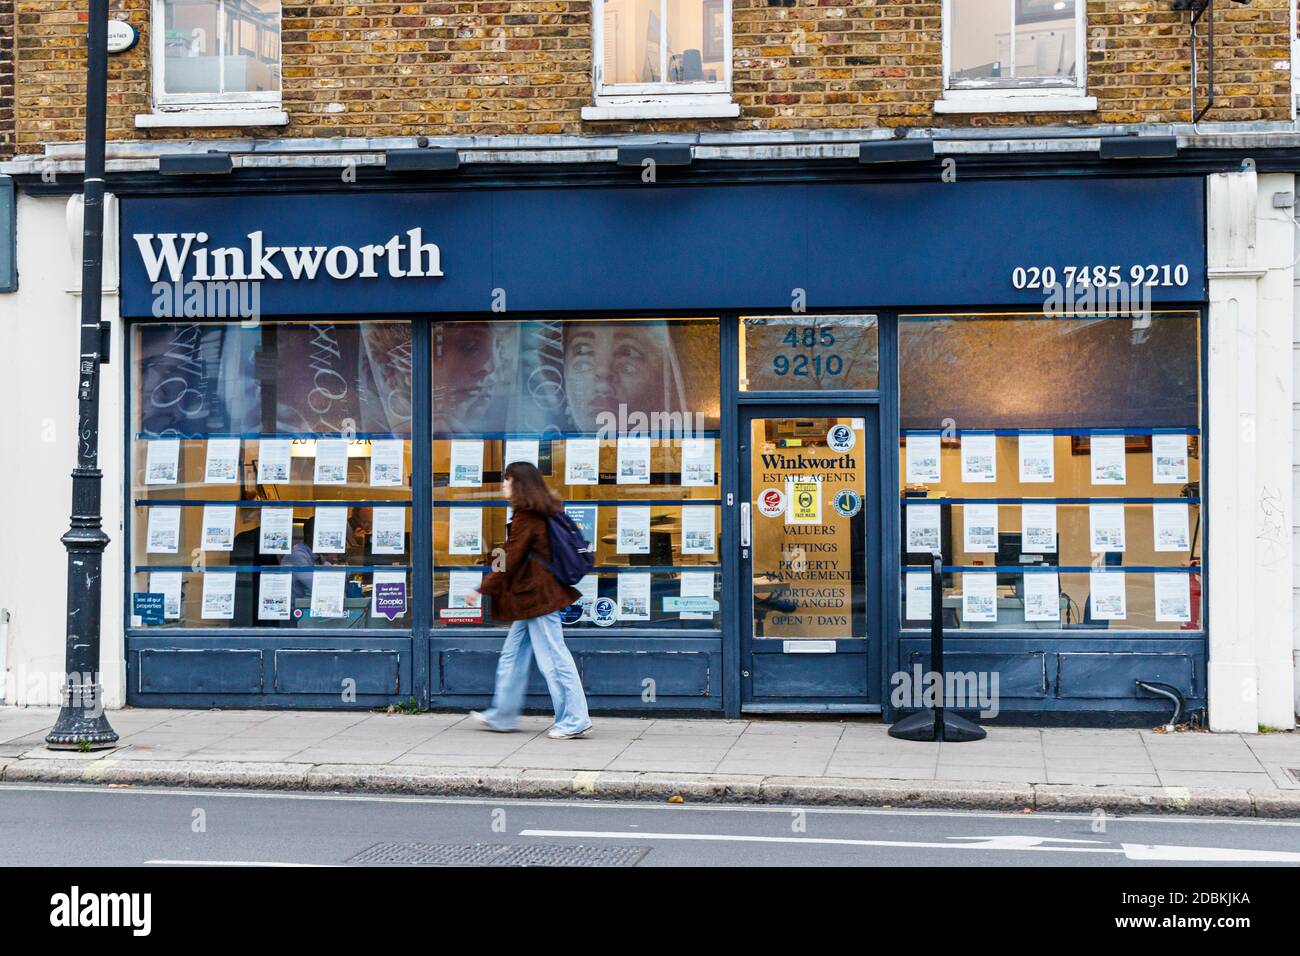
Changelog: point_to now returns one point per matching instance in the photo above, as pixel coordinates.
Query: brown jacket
(526, 588)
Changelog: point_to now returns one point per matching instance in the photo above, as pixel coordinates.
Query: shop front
(762, 400)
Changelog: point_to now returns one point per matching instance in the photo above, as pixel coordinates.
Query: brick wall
(6, 78)
(524, 66)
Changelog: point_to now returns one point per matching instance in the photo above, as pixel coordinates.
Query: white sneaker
(555, 734)
(481, 719)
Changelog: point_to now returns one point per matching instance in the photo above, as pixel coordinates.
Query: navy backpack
(572, 555)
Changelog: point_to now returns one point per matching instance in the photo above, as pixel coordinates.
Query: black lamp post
(81, 722)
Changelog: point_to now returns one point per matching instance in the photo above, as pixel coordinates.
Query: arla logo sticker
(771, 502)
(840, 438)
(604, 612)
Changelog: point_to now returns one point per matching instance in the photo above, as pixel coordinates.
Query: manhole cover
(498, 854)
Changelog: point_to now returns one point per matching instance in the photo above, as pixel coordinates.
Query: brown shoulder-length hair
(528, 491)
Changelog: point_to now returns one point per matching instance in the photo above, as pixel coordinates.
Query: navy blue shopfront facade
(803, 344)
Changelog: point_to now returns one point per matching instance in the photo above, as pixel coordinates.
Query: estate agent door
(810, 554)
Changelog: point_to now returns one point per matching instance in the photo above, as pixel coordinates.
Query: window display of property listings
(270, 475)
(621, 418)
(1056, 464)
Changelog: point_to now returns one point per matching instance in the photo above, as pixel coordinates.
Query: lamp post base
(952, 727)
(82, 728)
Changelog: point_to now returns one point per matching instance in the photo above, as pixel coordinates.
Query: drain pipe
(1166, 690)
(4, 649)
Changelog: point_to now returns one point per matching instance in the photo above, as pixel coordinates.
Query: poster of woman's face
(541, 377)
(617, 367)
(474, 369)
(489, 377)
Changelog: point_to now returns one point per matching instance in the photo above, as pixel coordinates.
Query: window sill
(188, 118)
(1063, 102)
(663, 109)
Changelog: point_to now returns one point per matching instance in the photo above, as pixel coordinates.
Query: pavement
(834, 761)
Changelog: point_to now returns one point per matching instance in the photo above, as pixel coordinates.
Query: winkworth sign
(178, 257)
(670, 247)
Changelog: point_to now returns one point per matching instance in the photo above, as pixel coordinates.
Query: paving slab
(1209, 778)
(879, 772)
(1102, 778)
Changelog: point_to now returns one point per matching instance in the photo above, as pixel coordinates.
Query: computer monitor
(1010, 555)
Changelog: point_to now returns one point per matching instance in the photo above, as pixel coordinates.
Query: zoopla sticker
(847, 502)
(771, 503)
(840, 438)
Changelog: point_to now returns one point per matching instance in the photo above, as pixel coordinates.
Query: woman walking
(529, 596)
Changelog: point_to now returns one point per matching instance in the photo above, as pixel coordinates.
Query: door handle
(744, 524)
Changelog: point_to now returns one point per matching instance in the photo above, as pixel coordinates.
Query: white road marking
(228, 863)
(1133, 851)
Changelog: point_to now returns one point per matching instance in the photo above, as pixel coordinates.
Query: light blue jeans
(546, 643)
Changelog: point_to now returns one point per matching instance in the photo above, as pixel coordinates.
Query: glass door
(809, 547)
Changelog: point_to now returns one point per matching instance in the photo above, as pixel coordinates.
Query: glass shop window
(809, 352)
(270, 475)
(1056, 463)
(1013, 44)
(621, 416)
(216, 52)
(663, 46)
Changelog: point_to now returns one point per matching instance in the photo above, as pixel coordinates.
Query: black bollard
(937, 724)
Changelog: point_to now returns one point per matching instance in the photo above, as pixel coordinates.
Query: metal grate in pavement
(498, 854)
(1294, 772)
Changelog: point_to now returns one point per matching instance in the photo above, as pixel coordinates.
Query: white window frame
(238, 108)
(657, 100)
(1035, 95)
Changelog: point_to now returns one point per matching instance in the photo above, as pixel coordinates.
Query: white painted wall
(1251, 452)
(1295, 469)
(39, 346)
